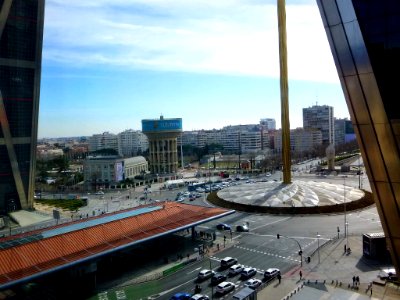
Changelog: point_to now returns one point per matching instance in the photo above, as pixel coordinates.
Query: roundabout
(299, 193)
(302, 196)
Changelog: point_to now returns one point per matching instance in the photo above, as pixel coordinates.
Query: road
(261, 249)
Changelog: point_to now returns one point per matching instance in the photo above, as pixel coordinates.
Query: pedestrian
(357, 280)
(301, 275)
(279, 278)
(354, 280)
(345, 248)
(371, 290)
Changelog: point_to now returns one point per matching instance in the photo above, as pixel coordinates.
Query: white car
(248, 272)
(253, 283)
(199, 297)
(225, 287)
(271, 273)
(205, 274)
(235, 269)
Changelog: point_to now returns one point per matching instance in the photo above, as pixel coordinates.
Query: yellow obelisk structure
(284, 92)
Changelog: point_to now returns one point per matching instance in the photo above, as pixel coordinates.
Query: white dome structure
(297, 194)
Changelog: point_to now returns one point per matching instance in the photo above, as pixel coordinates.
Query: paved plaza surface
(330, 277)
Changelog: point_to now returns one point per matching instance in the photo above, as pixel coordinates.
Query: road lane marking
(277, 221)
(194, 270)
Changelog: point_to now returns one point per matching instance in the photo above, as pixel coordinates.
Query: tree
(61, 163)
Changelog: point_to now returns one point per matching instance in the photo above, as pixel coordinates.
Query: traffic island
(365, 201)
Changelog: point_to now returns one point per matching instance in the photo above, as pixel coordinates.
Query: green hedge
(69, 204)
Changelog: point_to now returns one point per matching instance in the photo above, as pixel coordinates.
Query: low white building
(134, 166)
(109, 170)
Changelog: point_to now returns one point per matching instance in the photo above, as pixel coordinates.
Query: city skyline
(110, 65)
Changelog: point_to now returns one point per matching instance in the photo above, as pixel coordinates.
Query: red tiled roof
(46, 254)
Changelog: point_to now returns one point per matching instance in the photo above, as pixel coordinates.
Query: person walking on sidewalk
(301, 275)
(279, 278)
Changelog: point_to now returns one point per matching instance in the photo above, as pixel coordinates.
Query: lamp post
(347, 235)
(300, 251)
(344, 206)
(359, 173)
(318, 236)
(212, 287)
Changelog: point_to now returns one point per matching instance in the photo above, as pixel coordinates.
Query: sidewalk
(331, 276)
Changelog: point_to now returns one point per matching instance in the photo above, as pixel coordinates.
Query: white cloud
(232, 37)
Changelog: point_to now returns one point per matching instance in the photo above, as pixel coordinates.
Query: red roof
(44, 254)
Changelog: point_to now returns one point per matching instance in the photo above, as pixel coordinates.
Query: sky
(106, 65)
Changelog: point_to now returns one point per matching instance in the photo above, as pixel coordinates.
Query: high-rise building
(21, 39)
(301, 141)
(320, 117)
(268, 123)
(364, 39)
(104, 140)
(131, 142)
(344, 131)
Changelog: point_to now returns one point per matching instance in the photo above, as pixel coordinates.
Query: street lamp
(344, 205)
(212, 287)
(318, 236)
(300, 251)
(359, 173)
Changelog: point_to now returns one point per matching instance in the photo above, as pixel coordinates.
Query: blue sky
(109, 64)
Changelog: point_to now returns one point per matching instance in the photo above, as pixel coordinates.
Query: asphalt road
(261, 249)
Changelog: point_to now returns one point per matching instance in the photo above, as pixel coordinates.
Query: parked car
(225, 287)
(271, 273)
(180, 199)
(199, 297)
(223, 226)
(248, 272)
(217, 278)
(253, 283)
(181, 296)
(228, 261)
(235, 269)
(242, 228)
(205, 274)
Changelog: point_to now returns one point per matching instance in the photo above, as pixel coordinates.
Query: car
(99, 193)
(242, 228)
(271, 273)
(228, 261)
(248, 272)
(253, 283)
(217, 278)
(235, 269)
(205, 274)
(223, 226)
(181, 296)
(225, 287)
(199, 297)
